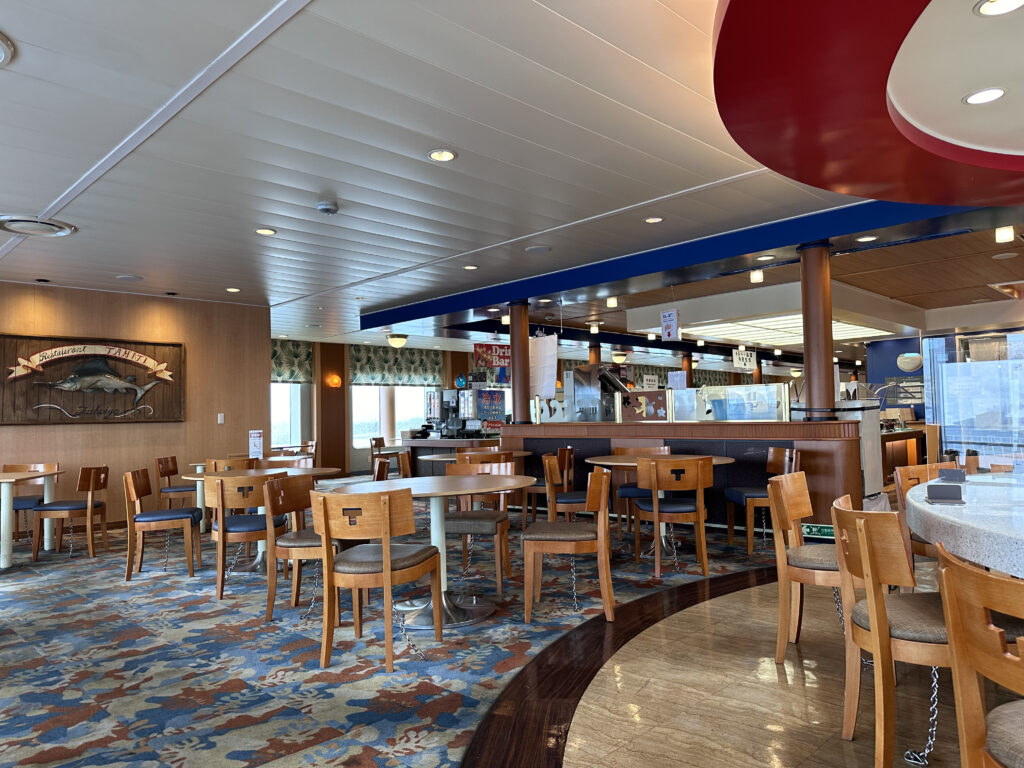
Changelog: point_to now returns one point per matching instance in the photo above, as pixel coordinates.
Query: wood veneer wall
(333, 424)
(227, 367)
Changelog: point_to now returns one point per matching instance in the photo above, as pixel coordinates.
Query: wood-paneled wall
(227, 365)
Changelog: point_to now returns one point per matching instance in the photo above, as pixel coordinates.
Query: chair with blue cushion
(667, 475)
(629, 490)
(26, 502)
(136, 488)
(224, 494)
(91, 480)
(532, 493)
(166, 469)
(781, 461)
(570, 502)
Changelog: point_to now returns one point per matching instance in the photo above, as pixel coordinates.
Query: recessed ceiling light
(997, 7)
(360, 298)
(856, 362)
(232, 290)
(757, 276)
(867, 238)
(437, 346)
(537, 250)
(6, 50)
(653, 220)
(170, 293)
(984, 96)
(42, 279)
(33, 226)
(471, 266)
(366, 342)
(835, 359)
(766, 257)
(130, 278)
(1005, 256)
(543, 301)
(442, 155)
(612, 302)
(265, 231)
(1004, 234)
(494, 309)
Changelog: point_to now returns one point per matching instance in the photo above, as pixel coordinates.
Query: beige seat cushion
(1004, 734)
(814, 557)
(304, 538)
(561, 532)
(475, 522)
(369, 558)
(914, 616)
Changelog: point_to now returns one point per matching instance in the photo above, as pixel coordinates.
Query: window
(365, 414)
(289, 414)
(410, 404)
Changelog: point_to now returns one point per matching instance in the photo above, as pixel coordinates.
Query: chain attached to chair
(764, 530)
(461, 576)
(672, 541)
(921, 758)
(399, 619)
(28, 528)
(316, 577)
(167, 546)
(572, 573)
(234, 559)
(839, 607)
(71, 539)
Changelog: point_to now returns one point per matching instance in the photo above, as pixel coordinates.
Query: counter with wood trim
(424, 446)
(829, 451)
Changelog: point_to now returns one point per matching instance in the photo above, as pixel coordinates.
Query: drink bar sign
(492, 356)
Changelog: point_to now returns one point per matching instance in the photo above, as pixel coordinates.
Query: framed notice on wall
(60, 380)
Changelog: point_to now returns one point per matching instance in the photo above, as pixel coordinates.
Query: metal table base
(456, 611)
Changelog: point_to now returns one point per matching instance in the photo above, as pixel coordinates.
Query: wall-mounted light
(333, 381)
(397, 340)
(757, 276)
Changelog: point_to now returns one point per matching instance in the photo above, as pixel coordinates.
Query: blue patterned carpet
(155, 672)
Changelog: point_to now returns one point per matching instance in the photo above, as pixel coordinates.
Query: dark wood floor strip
(528, 724)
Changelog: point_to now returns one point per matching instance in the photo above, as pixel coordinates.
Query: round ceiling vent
(33, 226)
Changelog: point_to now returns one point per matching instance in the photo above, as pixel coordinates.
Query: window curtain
(291, 362)
(387, 366)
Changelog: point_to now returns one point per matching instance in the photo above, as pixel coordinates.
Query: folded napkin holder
(952, 476)
(939, 493)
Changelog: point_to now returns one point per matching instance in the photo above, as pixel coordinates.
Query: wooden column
(332, 430)
(686, 363)
(816, 300)
(519, 340)
(595, 352)
(758, 377)
(386, 407)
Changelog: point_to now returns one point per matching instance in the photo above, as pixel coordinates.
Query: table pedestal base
(456, 611)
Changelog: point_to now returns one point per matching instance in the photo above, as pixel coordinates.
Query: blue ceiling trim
(777, 234)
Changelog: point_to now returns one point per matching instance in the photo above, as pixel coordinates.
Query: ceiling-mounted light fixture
(796, 373)
(700, 342)
(757, 276)
(766, 257)
(33, 226)
(506, 319)
(653, 220)
(618, 357)
(997, 7)
(867, 238)
(778, 352)
(856, 362)
(397, 340)
(612, 302)
(1004, 234)
(652, 336)
(442, 155)
(984, 96)
(6, 50)
(265, 231)
(594, 328)
(835, 359)
(742, 348)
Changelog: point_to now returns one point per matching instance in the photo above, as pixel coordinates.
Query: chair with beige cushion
(979, 608)
(346, 516)
(796, 563)
(91, 481)
(468, 521)
(907, 478)
(572, 538)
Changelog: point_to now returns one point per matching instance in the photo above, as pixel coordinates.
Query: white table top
(443, 485)
(290, 471)
(451, 456)
(629, 460)
(987, 529)
(17, 477)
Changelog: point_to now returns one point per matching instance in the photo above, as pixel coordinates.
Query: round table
(451, 456)
(987, 529)
(456, 611)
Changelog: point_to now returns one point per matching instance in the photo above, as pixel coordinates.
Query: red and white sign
(492, 355)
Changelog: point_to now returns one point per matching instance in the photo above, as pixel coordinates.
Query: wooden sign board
(59, 380)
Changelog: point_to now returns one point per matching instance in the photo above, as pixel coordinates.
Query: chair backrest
(691, 474)
(50, 466)
(552, 476)
(228, 465)
(137, 487)
(567, 466)
(790, 502)
(643, 450)
(977, 647)
(405, 464)
(295, 462)
(478, 448)
(381, 468)
(308, 447)
(242, 492)
(376, 446)
(91, 479)
(166, 467)
(486, 468)
(363, 515)
(782, 461)
(598, 485)
(1000, 468)
(287, 496)
(873, 546)
(908, 477)
(483, 458)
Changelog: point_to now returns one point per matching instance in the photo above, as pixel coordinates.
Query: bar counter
(829, 451)
(427, 445)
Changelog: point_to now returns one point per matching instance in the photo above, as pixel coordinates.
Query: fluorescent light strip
(780, 331)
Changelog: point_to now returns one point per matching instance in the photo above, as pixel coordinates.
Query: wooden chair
(381, 469)
(795, 562)
(569, 502)
(566, 460)
(572, 539)
(483, 457)
(629, 490)
(26, 502)
(244, 492)
(346, 516)
(288, 497)
(907, 478)
(293, 461)
(781, 461)
(900, 626)
(495, 446)
(974, 600)
(467, 521)
(136, 488)
(377, 446)
(91, 480)
(167, 468)
(405, 464)
(228, 465)
(666, 475)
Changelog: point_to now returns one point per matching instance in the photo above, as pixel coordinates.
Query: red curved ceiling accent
(801, 86)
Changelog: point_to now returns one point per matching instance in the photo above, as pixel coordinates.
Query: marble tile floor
(701, 688)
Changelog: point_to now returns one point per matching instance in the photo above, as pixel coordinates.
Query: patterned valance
(291, 361)
(387, 366)
(708, 378)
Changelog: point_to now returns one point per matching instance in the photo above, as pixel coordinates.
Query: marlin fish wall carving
(96, 375)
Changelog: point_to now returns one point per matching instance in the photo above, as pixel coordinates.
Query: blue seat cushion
(741, 494)
(27, 502)
(67, 505)
(178, 489)
(571, 497)
(667, 506)
(632, 491)
(249, 523)
(160, 515)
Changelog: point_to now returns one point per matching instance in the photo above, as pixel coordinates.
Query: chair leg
(389, 640)
(529, 574)
(58, 525)
(782, 632)
(885, 721)
(750, 527)
(296, 582)
(604, 580)
(851, 689)
(271, 586)
(436, 597)
(221, 554)
(538, 574)
(730, 515)
(141, 546)
(129, 563)
(197, 543)
(186, 529)
(89, 539)
(499, 556)
(796, 611)
(702, 545)
(103, 530)
(330, 616)
(357, 612)
(37, 534)
(636, 539)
